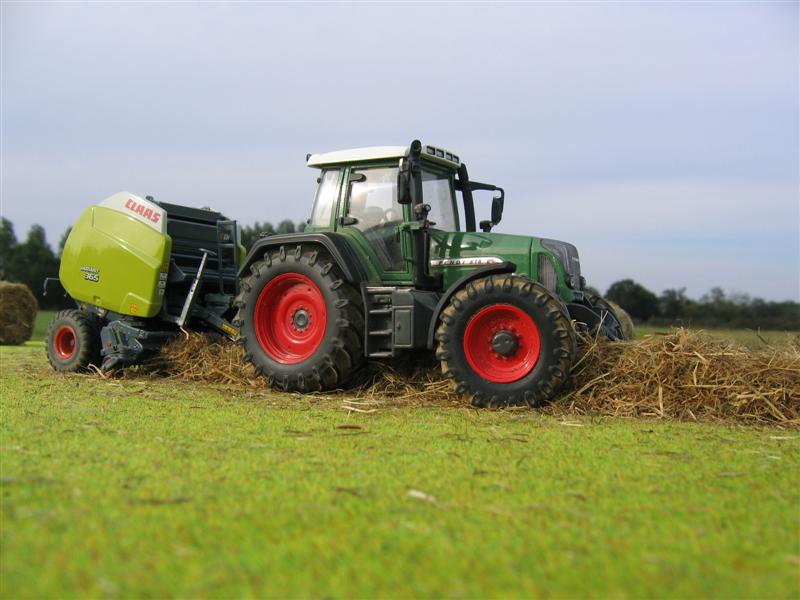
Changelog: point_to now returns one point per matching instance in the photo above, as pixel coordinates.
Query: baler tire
(540, 363)
(328, 356)
(73, 342)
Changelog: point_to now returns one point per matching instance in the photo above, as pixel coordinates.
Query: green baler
(140, 271)
(393, 261)
(115, 257)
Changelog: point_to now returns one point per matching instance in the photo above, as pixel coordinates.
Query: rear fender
(345, 257)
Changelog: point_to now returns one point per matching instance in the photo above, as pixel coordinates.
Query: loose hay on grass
(18, 308)
(681, 375)
(686, 375)
(203, 358)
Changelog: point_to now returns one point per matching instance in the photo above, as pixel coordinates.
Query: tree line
(32, 260)
(714, 309)
(251, 233)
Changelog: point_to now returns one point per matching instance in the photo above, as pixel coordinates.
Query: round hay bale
(624, 319)
(17, 313)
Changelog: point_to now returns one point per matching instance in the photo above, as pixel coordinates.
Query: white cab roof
(356, 155)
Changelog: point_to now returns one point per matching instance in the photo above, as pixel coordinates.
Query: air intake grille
(547, 274)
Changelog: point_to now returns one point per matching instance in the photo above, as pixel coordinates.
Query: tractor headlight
(568, 257)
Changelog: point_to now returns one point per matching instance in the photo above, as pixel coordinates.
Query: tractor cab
(374, 196)
(441, 174)
(411, 212)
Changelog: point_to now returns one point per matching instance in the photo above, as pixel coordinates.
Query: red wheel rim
(481, 355)
(64, 342)
(290, 318)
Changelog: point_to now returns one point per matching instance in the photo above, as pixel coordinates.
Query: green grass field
(129, 488)
(749, 338)
(43, 318)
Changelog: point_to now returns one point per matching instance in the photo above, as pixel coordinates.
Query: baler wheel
(506, 340)
(301, 324)
(73, 341)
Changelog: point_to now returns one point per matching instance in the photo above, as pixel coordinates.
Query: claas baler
(141, 271)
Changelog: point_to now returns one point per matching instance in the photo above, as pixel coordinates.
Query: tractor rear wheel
(301, 324)
(73, 341)
(505, 340)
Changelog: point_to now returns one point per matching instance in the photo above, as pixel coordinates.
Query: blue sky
(660, 138)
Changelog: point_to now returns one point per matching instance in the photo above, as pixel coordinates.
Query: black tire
(625, 321)
(610, 322)
(73, 341)
(323, 365)
(478, 301)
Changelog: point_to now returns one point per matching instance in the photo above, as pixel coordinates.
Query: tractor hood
(552, 262)
(455, 253)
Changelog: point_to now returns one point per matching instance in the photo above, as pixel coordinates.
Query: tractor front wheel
(505, 340)
(73, 341)
(301, 324)
(611, 323)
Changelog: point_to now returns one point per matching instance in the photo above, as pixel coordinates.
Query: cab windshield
(437, 190)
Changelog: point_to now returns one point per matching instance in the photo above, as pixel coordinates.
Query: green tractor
(392, 261)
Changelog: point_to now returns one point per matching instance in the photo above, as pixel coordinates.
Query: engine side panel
(456, 254)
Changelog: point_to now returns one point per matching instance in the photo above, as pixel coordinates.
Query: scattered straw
(685, 375)
(682, 375)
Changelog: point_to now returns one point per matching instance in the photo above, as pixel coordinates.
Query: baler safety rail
(192, 229)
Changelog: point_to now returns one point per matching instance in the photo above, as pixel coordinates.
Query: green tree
(62, 242)
(673, 304)
(637, 300)
(8, 246)
(251, 233)
(717, 307)
(286, 226)
(35, 260)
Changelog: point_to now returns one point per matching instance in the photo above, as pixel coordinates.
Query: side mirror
(497, 206)
(403, 187)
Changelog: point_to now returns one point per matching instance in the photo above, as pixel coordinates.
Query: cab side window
(373, 204)
(325, 198)
(437, 191)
